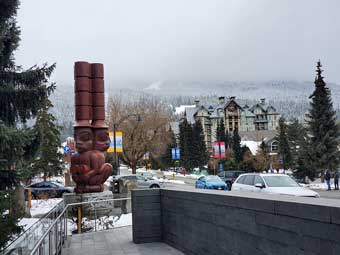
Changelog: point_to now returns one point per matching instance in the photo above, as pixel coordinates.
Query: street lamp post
(115, 148)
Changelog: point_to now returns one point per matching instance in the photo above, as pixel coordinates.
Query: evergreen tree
(22, 93)
(185, 143)
(199, 154)
(323, 130)
(284, 149)
(236, 146)
(167, 157)
(296, 134)
(49, 158)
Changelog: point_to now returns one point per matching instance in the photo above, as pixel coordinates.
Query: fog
(183, 40)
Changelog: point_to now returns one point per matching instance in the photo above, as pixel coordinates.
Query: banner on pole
(216, 150)
(146, 156)
(175, 153)
(119, 142)
(178, 153)
(222, 150)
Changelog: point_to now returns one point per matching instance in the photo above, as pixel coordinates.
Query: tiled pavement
(114, 242)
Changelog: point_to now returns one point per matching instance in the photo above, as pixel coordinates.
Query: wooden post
(29, 198)
(79, 219)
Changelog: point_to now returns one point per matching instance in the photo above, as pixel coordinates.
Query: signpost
(67, 149)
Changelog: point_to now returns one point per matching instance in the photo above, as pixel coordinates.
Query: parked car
(183, 171)
(229, 177)
(147, 175)
(48, 189)
(210, 182)
(143, 182)
(271, 184)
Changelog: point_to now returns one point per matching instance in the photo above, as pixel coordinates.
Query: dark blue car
(48, 189)
(210, 182)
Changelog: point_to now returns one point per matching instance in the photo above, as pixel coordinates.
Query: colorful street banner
(222, 150)
(119, 142)
(175, 153)
(216, 150)
(146, 156)
(178, 153)
(219, 150)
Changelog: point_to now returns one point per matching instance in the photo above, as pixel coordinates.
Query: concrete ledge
(217, 222)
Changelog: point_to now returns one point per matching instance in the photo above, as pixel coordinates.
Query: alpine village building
(254, 123)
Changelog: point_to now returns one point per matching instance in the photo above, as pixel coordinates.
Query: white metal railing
(53, 239)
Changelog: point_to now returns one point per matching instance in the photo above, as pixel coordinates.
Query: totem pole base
(94, 209)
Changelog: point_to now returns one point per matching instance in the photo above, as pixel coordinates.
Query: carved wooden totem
(88, 168)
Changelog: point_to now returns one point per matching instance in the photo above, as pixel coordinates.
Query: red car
(184, 171)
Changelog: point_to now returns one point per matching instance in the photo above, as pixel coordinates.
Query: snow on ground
(41, 206)
(124, 220)
(102, 223)
(26, 223)
(321, 186)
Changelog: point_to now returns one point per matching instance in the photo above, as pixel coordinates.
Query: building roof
(214, 111)
(189, 113)
(258, 135)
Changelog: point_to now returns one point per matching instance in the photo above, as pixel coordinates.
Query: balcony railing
(96, 215)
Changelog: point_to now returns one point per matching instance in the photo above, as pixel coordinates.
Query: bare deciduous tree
(144, 124)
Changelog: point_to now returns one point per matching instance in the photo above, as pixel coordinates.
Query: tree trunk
(18, 205)
(134, 167)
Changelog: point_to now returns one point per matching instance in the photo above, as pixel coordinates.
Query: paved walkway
(114, 242)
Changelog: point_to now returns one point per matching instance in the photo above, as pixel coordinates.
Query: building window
(275, 146)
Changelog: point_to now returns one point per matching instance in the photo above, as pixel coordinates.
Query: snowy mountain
(290, 98)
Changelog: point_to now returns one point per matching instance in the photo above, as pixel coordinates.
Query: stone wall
(214, 222)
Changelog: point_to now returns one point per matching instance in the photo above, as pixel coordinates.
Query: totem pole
(88, 168)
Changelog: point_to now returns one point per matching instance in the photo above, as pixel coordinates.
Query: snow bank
(41, 207)
(26, 223)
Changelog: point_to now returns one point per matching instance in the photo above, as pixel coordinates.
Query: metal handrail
(46, 216)
(53, 225)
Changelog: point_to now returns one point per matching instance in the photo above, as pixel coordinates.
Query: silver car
(143, 182)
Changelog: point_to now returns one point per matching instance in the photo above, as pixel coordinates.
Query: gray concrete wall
(213, 222)
(146, 216)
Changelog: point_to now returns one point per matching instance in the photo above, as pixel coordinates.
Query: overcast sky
(183, 40)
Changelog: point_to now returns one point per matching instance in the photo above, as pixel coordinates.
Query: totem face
(101, 139)
(83, 139)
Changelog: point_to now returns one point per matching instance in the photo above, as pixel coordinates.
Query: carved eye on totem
(102, 139)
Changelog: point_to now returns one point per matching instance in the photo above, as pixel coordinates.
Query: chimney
(221, 100)
(263, 100)
(232, 98)
(197, 103)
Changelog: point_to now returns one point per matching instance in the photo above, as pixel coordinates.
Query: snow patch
(41, 207)
(181, 109)
(252, 145)
(154, 86)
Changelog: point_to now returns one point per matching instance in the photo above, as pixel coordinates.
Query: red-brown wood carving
(88, 168)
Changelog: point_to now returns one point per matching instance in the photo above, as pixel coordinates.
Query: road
(190, 184)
